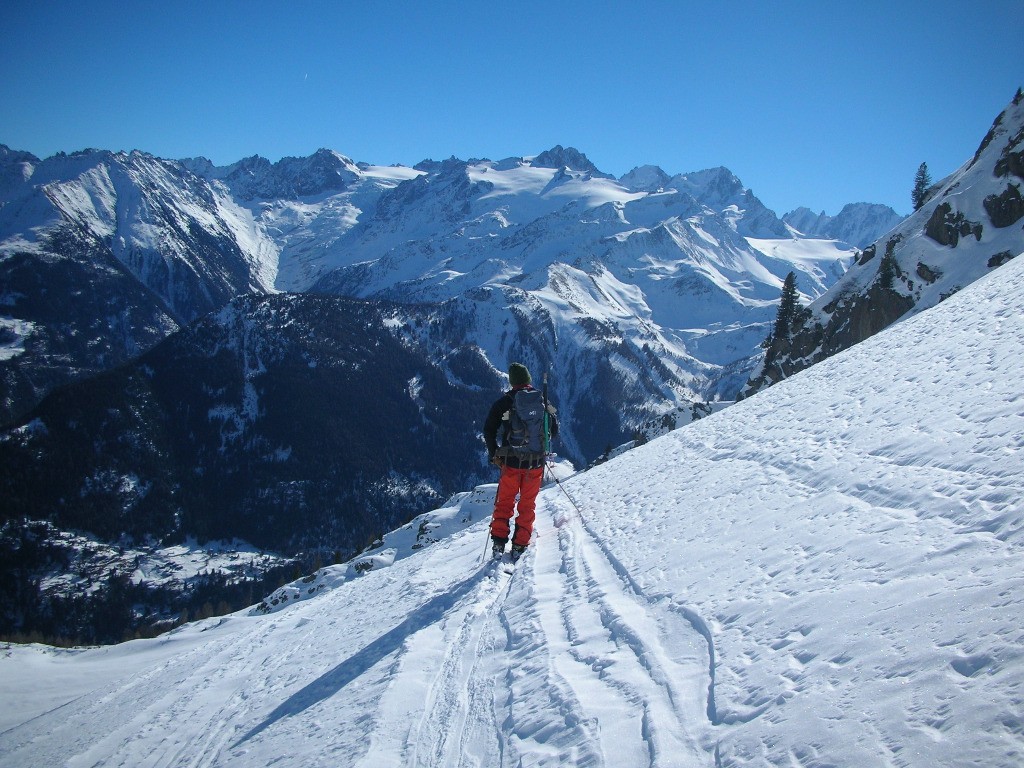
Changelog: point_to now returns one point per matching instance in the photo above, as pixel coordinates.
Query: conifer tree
(887, 271)
(922, 181)
(788, 307)
(790, 316)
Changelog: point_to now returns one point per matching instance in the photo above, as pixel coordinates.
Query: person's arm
(492, 423)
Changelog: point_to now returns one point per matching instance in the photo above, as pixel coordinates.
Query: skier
(527, 422)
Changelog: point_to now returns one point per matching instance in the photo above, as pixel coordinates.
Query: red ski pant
(524, 483)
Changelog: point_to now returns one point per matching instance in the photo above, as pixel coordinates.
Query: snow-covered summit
(719, 189)
(646, 178)
(858, 224)
(567, 157)
(724, 192)
(825, 574)
(291, 177)
(15, 168)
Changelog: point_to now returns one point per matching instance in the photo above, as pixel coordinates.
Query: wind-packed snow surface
(828, 573)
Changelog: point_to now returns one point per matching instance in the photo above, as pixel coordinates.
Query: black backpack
(526, 433)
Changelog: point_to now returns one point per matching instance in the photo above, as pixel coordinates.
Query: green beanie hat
(518, 375)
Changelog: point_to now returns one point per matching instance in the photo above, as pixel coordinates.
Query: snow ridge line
(693, 618)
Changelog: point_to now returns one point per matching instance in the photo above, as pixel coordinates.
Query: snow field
(852, 538)
(637, 672)
(825, 574)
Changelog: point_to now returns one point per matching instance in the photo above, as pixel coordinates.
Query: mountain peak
(712, 185)
(16, 167)
(255, 177)
(567, 157)
(452, 164)
(9, 156)
(721, 190)
(858, 224)
(645, 178)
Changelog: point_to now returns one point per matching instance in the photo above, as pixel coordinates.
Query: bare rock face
(851, 319)
(946, 227)
(969, 225)
(1006, 209)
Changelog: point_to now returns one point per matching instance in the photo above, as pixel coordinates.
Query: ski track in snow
(634, 671)
(456, 707)
(562, 662)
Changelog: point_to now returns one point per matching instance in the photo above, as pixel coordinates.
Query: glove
(497, 461)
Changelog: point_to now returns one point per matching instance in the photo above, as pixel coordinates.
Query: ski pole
(547, 425)
(559, 482)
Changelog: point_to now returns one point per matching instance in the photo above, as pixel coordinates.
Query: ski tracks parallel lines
(542, 723)
(164, 724)
(438, 708)
(461, 695)
(678, 608)
(652, 658)
(186, 730)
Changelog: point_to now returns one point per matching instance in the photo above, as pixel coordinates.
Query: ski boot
(517, 552)
(498, 548)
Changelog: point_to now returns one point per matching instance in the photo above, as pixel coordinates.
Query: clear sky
(815, 104)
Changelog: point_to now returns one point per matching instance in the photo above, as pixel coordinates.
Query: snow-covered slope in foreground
(825, 574)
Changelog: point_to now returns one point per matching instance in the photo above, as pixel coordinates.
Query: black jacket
(496, 422)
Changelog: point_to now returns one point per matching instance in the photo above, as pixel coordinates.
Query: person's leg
(504, 503)
(529, 485)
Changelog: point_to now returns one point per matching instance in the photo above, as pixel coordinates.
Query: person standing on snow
(526, 423)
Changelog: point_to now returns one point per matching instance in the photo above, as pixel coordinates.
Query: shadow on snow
(332, 682)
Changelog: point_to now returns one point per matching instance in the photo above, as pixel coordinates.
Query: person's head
(518, 375)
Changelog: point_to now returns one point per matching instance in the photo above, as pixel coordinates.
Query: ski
(504, 564)
(496, 565)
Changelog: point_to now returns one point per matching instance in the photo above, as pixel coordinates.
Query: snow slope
(825, 574)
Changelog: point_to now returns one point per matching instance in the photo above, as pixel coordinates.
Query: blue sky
(815, 104)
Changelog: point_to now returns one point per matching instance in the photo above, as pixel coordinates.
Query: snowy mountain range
(646, 297)
(641, 296)
(857, 223)
(825, 574)
(609, 268)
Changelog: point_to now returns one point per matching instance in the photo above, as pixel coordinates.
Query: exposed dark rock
(866, 255)
(999, 259)
(1011, 163)
(989, 138)
(928, 274)
(291, 177)
(851, 319)
(946, 227)
(1005, 209)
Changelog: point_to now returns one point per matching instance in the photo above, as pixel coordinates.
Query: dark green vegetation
(301, 424)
